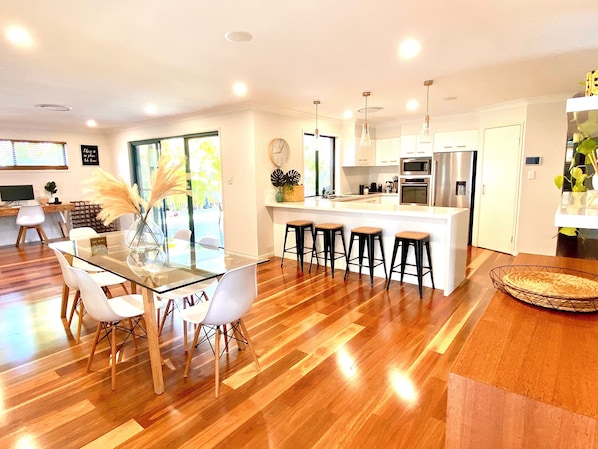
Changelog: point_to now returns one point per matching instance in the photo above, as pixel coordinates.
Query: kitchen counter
(448, 228)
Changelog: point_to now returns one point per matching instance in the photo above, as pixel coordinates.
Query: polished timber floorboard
(344, 365)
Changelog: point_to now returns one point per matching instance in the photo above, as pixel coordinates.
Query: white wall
(545, 136)
(68, 181)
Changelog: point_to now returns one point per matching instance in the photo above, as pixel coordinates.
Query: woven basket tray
(549, 287)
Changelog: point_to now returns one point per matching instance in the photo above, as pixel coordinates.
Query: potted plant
(583, 171)
(287, 185)
(51, 188)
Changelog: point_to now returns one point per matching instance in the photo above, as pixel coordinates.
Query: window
(32, 155)
(202, 212)
(318, 164)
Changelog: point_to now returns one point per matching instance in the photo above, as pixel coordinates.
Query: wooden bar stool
(298, 227)
(418, 240)
(366, 235)
(328, 231)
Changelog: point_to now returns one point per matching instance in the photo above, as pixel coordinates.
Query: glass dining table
(175, 264)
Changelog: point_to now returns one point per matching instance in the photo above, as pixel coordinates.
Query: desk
(526, 378)
(177, 264)
(62, 209)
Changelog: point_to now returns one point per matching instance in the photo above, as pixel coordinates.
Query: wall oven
(417, 166)
(415, 191)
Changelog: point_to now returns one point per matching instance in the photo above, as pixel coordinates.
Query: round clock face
(279, 151)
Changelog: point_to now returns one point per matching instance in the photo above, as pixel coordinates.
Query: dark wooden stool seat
(328, 231)
(366, 236)
(298, 227)
(418, 240)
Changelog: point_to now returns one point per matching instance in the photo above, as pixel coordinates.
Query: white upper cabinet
(456, 141)
(412, 146)
(387, 151)
(354, 156)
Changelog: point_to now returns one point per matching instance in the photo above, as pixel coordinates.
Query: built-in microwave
(418, 166)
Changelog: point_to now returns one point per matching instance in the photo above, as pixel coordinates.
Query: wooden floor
(344, 365)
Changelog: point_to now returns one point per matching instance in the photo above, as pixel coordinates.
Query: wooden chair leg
(161, 322)
(125, 288)
(190, 356)
(76, 302)
(80, 323)
(113, 353)
(217, 359)
(42, 235)
(93, 346)
(65, 299)
(246, 334)
(18, 242)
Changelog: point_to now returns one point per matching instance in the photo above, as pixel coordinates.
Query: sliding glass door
(202, 211)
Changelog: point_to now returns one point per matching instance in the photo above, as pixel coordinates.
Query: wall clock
(279, 151)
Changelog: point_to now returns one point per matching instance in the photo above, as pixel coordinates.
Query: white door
(500, 188)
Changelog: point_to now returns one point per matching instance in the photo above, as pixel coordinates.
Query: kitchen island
(447, 226)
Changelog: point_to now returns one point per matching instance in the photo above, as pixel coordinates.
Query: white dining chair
(109, 313)
(82, 233)
(30, 217)
(185, 296)
(103, 279)
(232, 299)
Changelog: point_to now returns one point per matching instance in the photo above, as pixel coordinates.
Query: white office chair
(30, 217)
(232, 299)
(103, 279)
(185, 295)
(109, 313)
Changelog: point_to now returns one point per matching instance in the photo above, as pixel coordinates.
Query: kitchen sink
(341, 196)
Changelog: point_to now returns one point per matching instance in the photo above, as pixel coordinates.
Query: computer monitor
(16, 193)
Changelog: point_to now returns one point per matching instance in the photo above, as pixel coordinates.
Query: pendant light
(426, 133)
(317, 131)
(365, 142)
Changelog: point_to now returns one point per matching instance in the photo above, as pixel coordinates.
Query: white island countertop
(358, 204)
(447, 226)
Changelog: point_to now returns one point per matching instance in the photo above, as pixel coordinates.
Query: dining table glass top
(174, 264)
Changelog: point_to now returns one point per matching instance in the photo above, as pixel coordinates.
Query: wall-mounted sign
(90, 155)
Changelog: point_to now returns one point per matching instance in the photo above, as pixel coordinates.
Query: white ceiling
(108, 59)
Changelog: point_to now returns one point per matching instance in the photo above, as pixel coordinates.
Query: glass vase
(279, 195)
(144, 234)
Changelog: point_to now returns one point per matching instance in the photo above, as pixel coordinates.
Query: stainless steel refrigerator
(454, 181)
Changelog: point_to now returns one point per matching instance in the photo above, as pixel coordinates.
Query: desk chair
(30, 217)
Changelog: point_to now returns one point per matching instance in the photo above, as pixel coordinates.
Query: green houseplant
(51, 188)
(583, 169)
(285, 184)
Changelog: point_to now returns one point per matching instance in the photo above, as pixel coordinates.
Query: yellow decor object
(592, 83)
(293, 193)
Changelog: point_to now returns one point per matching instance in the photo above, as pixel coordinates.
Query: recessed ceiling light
(450, 98)
(409, 48)
(19, 36)
(238, 36)
(347, 114)
(91, 123)
(412, 105)
(53, 107)
(150, 109)
(240, 89)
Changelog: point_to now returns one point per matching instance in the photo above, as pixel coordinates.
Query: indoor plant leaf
(278, 178)
(558, 181)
